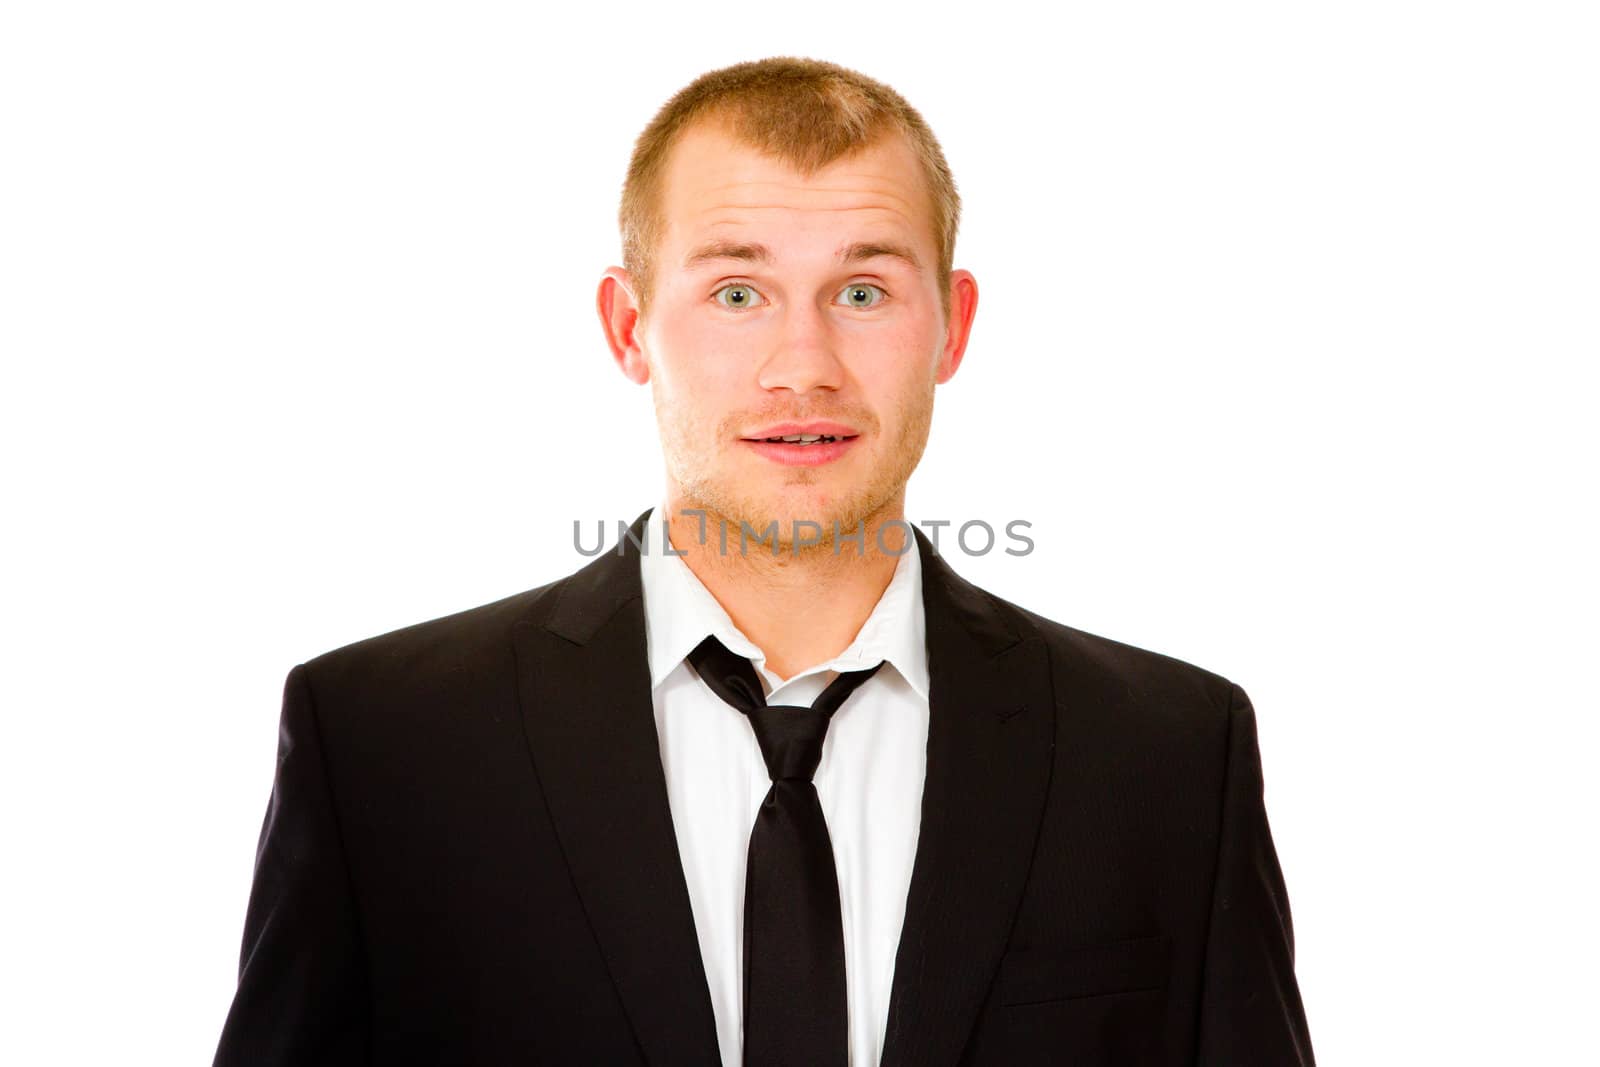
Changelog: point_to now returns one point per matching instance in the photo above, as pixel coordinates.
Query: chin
(786, 509)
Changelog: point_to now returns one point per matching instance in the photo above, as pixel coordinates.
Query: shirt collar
(680, 611)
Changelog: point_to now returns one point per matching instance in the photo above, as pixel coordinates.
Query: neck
(799, 606)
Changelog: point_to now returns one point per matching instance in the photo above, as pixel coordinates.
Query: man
(818, 801)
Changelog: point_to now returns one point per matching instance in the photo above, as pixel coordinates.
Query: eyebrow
(759, 253)
(748, 253)
(873, 249)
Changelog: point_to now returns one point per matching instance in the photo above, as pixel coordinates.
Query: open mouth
(802, 439)
(803, 449)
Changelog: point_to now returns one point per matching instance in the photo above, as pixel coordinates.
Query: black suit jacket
(468, 857)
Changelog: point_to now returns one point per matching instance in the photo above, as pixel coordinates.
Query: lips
(813, 443)
(802, 439)
(810, 453)
(816, 428)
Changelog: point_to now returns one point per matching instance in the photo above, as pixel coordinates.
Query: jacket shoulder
(1134, 682)
(470, 642)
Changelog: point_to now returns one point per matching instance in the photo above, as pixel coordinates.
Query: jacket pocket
(1039, 975)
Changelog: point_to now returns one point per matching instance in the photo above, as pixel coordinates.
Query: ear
(619, 318)
(963, 306)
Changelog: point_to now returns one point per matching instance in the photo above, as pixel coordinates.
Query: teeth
(803, 438)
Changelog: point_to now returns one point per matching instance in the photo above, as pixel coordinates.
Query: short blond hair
(806, 112)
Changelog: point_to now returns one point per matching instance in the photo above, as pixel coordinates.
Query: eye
(861, 295)
(738, 297)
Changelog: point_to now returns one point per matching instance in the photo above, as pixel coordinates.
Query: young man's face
(781, 300)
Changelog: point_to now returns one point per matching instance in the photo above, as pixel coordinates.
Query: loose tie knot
(790, 736)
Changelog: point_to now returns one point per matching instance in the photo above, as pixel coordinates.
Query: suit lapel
(587, 710)
(991, 737)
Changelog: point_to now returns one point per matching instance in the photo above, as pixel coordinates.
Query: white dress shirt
(874, 757)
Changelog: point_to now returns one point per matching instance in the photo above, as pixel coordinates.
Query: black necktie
(795, 1007)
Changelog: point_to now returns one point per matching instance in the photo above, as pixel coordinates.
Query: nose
(804, 355)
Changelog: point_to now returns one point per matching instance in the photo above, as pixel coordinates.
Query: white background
(1285, 348)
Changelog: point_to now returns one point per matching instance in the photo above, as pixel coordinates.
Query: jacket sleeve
(1250, 1009)
(302, 996)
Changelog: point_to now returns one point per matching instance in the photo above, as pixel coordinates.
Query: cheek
(676, 356)
(699, 380)
(898, 363)
(705, 361)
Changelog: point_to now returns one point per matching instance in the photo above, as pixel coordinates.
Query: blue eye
(861, 295)
(738, 297)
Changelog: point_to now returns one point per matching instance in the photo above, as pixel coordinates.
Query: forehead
(715, 185)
